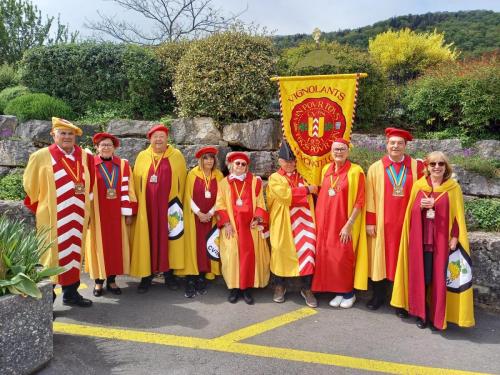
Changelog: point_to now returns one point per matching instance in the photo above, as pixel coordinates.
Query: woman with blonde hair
(434, 246)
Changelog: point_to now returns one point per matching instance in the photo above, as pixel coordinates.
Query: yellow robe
(375, 188)
(190, 260)
(284, 259)
(140, 260)
(94, 256)
(229, 247)
(39, 185)
(459, 306)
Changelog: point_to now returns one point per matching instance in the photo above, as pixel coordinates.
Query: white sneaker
(336, 301)
(347, 303)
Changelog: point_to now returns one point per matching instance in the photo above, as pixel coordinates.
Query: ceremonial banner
(314, 111)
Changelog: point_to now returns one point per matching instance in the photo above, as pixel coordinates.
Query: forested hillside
(472, 32)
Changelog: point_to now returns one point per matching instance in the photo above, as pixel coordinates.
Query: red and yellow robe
(158, 231)
(107, 250)
(60, 212)
(245, 256)
(341, 267)
(409, 290)
(383, 248)
(292, 225)
(195, 236)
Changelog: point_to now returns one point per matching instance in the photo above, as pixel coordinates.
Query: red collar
(386, 161)
(57, 154)
(114, 159)
(343, 169)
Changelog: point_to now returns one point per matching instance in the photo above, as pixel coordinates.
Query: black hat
(286, 152)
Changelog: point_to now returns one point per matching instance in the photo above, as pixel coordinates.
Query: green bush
(11, 187)
(335, 58)
(463, 96)
(38, 107)
(8, 77)
(483, 214)
(226, 76)
(82, 73)
(101, 112)
(6, 95)
(169, 54)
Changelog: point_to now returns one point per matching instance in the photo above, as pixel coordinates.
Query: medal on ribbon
(154, 177)
(397, 180)
(239, 201)
(110, 180)
(75, 177)
(208, 181)
(333, 185)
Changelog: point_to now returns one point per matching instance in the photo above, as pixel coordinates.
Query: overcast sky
(281, 16)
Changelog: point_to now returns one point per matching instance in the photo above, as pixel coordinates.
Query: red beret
(156, 128)
(232, 156)
(394, 132)
(342, 140)
(205, 150)
(97, 138)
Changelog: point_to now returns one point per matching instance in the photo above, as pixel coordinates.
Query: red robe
(335, 261)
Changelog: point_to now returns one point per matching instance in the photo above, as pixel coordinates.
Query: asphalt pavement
(162, 332)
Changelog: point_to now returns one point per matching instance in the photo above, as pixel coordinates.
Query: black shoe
(53, 316)
(77, 301)
(190, 289)
(375, 303)
(402, 313)
(247, 297)
(433, 327)
(97, 292)
(234, 295)
(171, 282)
(116, 290)
(421, 323)
(144, 285)
(201, 286)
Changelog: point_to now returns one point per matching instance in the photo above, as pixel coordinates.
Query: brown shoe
(309, 298)
(279, 294)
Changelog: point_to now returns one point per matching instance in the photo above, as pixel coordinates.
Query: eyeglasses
(339, 150)
(106, 145)
(439, 163)
(242, 163)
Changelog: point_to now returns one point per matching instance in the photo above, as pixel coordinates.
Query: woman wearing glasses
(433, 274)
(341, 251)
(199, 210)
(242, 217)
(114, 204)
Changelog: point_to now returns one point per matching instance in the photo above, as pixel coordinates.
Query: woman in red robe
(341, 240)
(242, 217)
(114, 204)
(199, 210)
(434, 225)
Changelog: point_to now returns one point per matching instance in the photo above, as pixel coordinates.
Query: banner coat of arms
(314, 111)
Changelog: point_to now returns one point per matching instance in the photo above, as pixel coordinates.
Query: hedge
(38, 107)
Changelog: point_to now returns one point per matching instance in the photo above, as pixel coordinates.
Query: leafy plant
(101, 112)
(226, 76)
(483, 214)
(11, 187)
(20, 253)
(38, 107)
(8, 77)
(6, 95)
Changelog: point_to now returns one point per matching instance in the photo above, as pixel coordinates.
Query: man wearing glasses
(388, 187)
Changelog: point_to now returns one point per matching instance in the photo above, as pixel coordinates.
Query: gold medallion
(111, 193)
(79, 188)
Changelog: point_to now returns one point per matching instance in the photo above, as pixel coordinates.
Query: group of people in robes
(401, 226)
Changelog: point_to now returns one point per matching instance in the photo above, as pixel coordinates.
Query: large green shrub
(226, 76)
(463, 96)
(82, 73)
(11, 187)
(334, 58)
(169, 54)
(6, 95)
(8, 77)
(38, 107)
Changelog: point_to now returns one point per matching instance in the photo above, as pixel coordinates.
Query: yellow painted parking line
(258, 328)
(58, 289)
(228, 346)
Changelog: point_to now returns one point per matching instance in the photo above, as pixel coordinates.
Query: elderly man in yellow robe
(58, 181)
(292, 227)
(158, 232)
